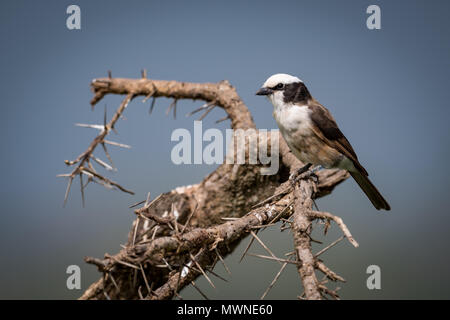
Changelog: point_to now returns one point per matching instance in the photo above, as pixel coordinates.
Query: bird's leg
(315, 169)
(295, 175)
(312, 173)
(303, 173)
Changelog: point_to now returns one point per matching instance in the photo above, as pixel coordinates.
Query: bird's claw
(309, 175)
(304, 174)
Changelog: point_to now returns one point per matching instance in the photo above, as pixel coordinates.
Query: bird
(312, 133)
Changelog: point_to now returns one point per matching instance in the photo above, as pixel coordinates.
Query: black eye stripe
(278, 86)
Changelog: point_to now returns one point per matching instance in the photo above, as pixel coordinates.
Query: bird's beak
(264, 92)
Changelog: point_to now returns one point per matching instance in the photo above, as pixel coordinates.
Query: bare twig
(83, 158)
(339, 222)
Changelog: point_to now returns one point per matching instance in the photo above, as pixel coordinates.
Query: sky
(387, 89)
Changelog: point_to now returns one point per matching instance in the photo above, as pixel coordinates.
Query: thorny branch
(85, 158)
(182, 234)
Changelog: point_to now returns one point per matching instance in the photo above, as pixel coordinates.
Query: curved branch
(222, 94)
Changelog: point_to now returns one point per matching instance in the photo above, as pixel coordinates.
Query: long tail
(371, 191)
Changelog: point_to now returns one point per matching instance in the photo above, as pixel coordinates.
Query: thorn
(248, 247)
(205, 106)
(136, 204)
(174, 106)
(64, 175)
(199, 291)
(262, 244)
(329, 246)
(217, 275)
(172, 214)
(108, 156)
(140, 293)
(150, 203)
(272, 258)
(122, 262)
(104, 184)
(90, 167)
(223, 119)
(154, 232)
(206, 113)
(148, 200)
(274, 280)
(167, 264)
(104, 181)
(113, 143)
(229, 218)
(315, 204)
(109, 74)
(68, 190)
(147, 97)
(88, 180)
(175, 109)
(202, 271)
(93, 126)
(102, 163)
(104, 118)
(152, 105)
(114, 281)
(189, 218)
(144, 74)
(223, 262)
(82, 188)
(135, 229)
(145, 279)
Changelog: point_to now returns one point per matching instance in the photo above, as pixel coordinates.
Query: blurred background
(387, 89)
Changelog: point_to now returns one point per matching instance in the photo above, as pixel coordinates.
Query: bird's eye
(279, 86)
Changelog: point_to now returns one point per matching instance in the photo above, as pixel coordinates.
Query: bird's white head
(281, 88)
(283, 78)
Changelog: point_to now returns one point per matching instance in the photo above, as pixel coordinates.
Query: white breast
(293, 119)
(295, 126)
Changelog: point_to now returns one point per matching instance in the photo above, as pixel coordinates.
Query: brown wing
(327, 129)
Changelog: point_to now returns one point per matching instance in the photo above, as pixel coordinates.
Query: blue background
(387, 89)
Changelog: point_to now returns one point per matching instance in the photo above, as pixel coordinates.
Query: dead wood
(183, 233)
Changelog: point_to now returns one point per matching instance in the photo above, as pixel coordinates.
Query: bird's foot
(309, 175)
(293, 177)
(304, 174)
